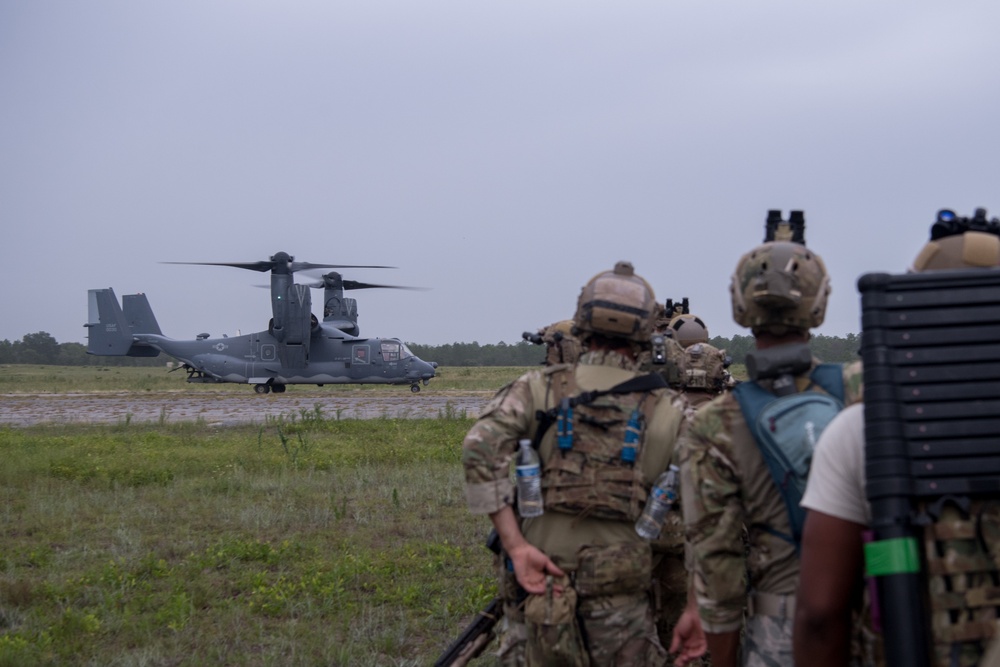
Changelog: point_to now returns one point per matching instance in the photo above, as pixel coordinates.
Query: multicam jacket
(491, 445)
(728, 496)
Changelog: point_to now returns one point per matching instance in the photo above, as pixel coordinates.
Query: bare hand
(689, 638)
(531, 566)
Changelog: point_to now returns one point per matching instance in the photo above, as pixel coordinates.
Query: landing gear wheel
(261, 388)
(415, 388)
(278, 388)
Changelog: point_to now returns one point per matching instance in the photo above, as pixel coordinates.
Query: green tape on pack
(895, 556)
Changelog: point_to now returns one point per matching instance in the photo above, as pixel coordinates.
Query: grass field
(302, 542)
(334, 542)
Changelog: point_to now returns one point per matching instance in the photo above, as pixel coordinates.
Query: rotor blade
(292, 267)
(354, 284)
(252, 266)
(305, 266)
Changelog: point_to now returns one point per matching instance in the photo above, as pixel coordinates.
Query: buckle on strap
(771, 604)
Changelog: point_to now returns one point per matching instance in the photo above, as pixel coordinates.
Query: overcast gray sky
(499, 153)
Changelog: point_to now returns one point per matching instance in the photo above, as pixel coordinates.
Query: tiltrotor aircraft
(296, 348)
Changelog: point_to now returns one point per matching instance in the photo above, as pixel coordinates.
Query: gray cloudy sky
(499, 153)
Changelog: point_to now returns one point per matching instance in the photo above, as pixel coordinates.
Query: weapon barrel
(474, 638)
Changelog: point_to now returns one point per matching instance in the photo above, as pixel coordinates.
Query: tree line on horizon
(42, 348)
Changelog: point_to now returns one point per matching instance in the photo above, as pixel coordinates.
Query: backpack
(595, 466)
(786, 429)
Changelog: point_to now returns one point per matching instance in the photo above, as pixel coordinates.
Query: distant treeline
(827, 348)
(42, 348)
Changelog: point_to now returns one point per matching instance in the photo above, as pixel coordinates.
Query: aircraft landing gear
(261, 388)
(414, 388)
(278, 388)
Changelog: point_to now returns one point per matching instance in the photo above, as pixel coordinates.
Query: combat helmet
(960, 243)
(616, 304)
(780, 286)
(689, 329)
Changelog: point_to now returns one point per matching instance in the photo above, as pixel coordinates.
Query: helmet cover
(779, 287)
(616, 304)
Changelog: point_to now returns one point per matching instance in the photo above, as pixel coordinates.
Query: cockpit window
(393, 350)
(390, 350)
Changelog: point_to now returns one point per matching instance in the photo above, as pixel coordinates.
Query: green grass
(18, 378)
(316, 542)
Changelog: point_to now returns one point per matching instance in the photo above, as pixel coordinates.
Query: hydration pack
(786, 429)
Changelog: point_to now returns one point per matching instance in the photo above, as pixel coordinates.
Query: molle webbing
(932, 432)
(591, 476)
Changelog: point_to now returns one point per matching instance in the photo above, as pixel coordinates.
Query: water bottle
(661, 498)
(529, 481)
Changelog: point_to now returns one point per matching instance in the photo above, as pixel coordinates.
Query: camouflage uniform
(699, 366)
(606, 558)
(726, 486)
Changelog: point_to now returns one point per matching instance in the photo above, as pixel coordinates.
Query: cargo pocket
(554, 637)
(615, 570)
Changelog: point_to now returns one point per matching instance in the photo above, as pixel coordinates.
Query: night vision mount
(949, 224)
(681, 307)
(778, 229)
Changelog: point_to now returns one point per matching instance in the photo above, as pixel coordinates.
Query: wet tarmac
(227, 409)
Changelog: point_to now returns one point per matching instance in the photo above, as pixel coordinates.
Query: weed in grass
(450, 412)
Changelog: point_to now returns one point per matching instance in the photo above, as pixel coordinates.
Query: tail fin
(139, 315)
(109, 333)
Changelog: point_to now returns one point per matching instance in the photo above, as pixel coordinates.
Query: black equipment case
(931, 350)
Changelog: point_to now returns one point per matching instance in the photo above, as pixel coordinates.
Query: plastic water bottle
(662, 497)
(529, 481)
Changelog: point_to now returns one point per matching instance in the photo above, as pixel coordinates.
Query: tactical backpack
(786, 429)
(595, 467)
(931, 351)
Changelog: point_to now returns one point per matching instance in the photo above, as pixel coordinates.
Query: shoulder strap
(639, 383)
(753, 398)
(830, 377)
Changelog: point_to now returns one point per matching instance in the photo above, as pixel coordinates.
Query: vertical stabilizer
(139, 315)
(108, 333)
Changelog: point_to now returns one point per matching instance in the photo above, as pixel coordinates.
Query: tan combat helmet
(689, 329)
(960, 243)
(780, 286)
(561, 346)
(616, 304)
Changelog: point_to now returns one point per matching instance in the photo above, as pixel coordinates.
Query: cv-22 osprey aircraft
(296, 348)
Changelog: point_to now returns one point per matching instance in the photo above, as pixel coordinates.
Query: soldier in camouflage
(692, 372)
(561, 346)
(584, 568)
(779, 290)
(826, 633)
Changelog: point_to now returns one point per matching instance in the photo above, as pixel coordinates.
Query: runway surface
(223, 409)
